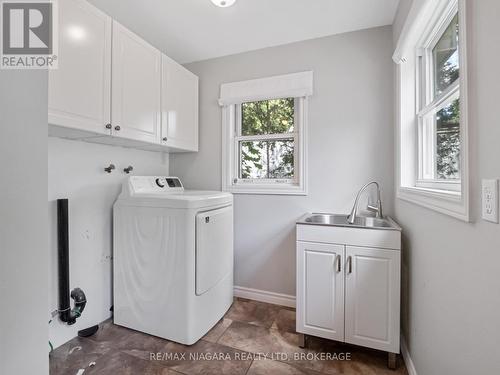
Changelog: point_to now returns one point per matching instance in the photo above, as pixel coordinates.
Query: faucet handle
(377, 209)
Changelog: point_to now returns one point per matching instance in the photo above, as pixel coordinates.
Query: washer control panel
(154, 184)
(168, 182)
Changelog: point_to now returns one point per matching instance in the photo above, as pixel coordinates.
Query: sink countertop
(340, 220)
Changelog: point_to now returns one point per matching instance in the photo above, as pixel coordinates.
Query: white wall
(23, 223)
(76, 172)
(451, 313)
(350, 143)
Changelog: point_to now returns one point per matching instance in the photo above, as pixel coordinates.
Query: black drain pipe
(66, 314)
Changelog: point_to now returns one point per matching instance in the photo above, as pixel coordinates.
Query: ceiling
(193, 30)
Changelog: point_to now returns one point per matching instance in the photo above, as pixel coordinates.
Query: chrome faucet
(377, 209)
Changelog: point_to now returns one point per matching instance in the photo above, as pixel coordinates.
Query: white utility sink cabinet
(112, 87)
(348, 285)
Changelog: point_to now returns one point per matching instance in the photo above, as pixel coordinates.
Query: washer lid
(159, 191)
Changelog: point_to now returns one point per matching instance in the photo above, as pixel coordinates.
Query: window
(439, 112)
(266, 140)
(432, 108)
(264, 135)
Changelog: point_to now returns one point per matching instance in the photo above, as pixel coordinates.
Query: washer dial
(160, 183)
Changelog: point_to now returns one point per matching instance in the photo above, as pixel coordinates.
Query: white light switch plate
(490, 200)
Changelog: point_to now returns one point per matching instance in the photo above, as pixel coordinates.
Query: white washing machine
(173, 258)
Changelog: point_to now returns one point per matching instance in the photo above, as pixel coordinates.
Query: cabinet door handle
(108, 126)
(349, 264)
(117, 128)
(165, 139)
(339, 264)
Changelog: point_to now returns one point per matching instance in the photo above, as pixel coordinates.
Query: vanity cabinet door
(136, 85)
(80, 89)
(320, 290)
(372, 279)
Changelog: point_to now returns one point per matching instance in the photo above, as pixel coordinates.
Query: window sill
(265, 190)
(451, 203)
(446, 186)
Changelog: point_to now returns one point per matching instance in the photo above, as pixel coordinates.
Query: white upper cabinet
(79, 91)
(112, 87)
(136, 85)
(179, 125)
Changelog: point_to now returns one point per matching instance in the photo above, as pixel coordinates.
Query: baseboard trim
(264, 296)
(406, 357)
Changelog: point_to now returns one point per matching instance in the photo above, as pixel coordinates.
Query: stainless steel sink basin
(325, 219)
(341, 221)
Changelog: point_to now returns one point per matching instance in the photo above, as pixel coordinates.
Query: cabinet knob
(117, 128)
(108, 126)
(165, 139)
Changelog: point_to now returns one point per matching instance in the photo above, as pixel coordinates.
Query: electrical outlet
(490, 200)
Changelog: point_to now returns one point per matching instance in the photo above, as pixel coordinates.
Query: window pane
(267, 159)
(448, 141)
(274, 116)
(445, 56)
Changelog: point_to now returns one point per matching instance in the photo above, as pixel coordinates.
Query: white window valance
(284, 86)
(421, 15)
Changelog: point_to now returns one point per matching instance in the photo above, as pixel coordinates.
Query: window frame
(428, 102)
(428, 18)
(238, 138)
(231, 154)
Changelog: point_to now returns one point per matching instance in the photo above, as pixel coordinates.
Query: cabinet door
(179, 125)
(372, 298)
(136, 84)
(320, 290)
(80, 90)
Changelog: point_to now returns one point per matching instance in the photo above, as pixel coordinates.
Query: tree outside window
(267, 143)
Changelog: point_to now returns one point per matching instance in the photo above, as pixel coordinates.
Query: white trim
(407, 172)
(406, 357)
(265, 137)
(464, 109)
(265, 296)
(443, 202)
(421, 12)
(448, 186)
(293, 85)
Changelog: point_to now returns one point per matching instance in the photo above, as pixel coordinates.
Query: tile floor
(254, 338)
